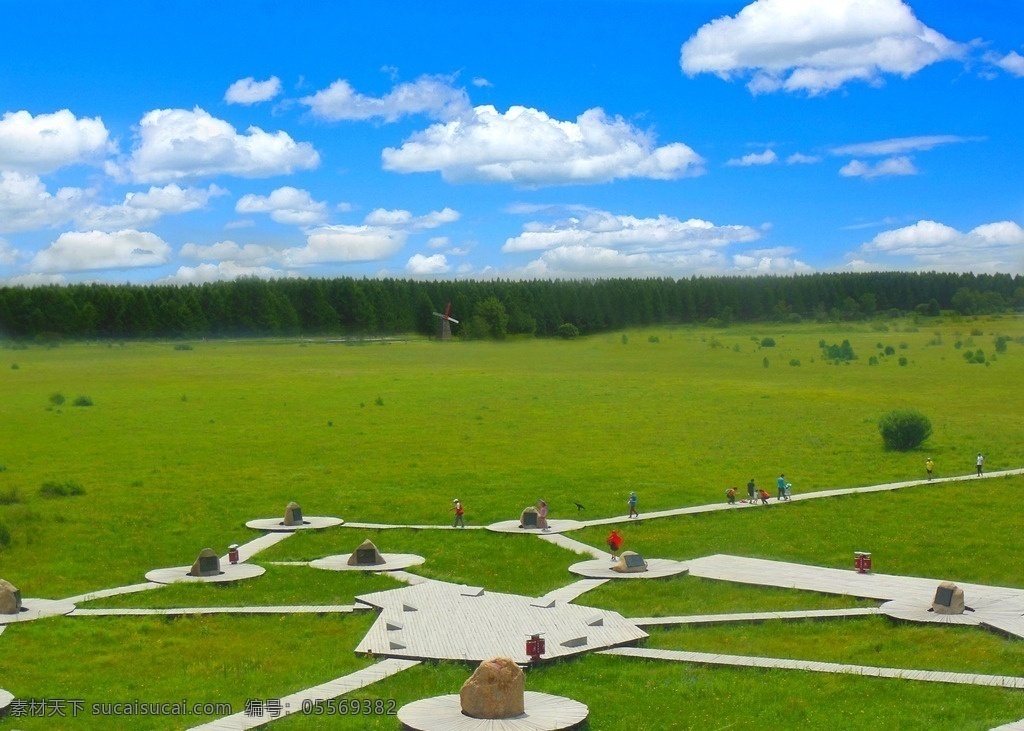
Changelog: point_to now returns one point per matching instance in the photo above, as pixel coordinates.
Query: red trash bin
(862, 562)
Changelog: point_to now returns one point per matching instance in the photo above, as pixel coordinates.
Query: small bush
(57, 399)
(794, 362)
(902, 361)
(765, 362)
(872, 361)
(768, 342)
(61, 489)
(5, 536)
(568, 331)
(904, 429)
(625, 339)
(14, 366)
(379, 401)
(653, 339)
(889, 350)
(10, 496)
(82, 401)
(182, 346)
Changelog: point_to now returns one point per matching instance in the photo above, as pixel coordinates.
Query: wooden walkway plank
(181, 611)
(703, 658)
(116, 591)
(754, 616)
(572, 591)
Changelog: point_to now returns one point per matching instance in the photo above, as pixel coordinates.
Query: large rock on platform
(10, 598)
(496, 690)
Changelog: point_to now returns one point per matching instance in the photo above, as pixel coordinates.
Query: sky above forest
(189, 142)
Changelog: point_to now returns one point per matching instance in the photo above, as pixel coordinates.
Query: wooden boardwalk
(746, 617)
(928, 676)
(183, 611)
(303, 701)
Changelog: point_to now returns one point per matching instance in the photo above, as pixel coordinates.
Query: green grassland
(181, 447)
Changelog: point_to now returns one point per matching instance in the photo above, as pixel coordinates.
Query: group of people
(754, 493)
(979, 464)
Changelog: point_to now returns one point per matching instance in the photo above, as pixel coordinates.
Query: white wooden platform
(182, 611)
(300, 702)
(747, 617)
(442, 621)
(277, 525)
(542, 712)
(116, 591)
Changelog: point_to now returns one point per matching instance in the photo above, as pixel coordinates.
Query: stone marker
(949, 599)
(530, 518)
(366, 555)
(496, 690)
(630, 562)
(208, 564)
(293, 514)
(10, 598)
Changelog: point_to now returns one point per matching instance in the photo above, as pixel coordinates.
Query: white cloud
(249, 91)
(285, 205)
(798, 158)
(420, 266)
(815, 47)
(47, 142)
(778, 260)
(224, 271)
(1012, 62)
(91, 250)
(433, 96)
(145, 208)
(346, 243)
(26, 204)
(755, 158)
(929, 245)
(249, 255)
(628, 234)
(887, 167)
(177, 144)
(527, 147)
(898, 145)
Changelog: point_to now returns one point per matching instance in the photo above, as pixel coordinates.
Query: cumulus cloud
(755, 158)
(815, 47)
(249, 91)
(421, 266)
(285, 205)
(47, 142)
(248, 255)
(145, 208)
(177, 144)
(929, 245)
(221, 272)
(1012, 62)
(798, 158)
(527, 147)
(890, 166)
(433, 96)
(26, 204)
(77, 251)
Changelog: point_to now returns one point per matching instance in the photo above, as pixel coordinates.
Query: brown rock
(293, 514)
(10, 598)
(208, 564)
(496, 690)
(366, 555)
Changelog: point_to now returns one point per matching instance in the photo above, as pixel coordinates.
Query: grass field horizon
(182, 445)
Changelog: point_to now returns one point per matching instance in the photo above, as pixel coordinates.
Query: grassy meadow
(183, 443)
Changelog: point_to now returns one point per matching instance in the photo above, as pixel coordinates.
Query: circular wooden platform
(543, 713)
(37, 609)
(229, 572)
(5, 700)
(602, 569)
(392, 562)
(277, 525)
(554, 526)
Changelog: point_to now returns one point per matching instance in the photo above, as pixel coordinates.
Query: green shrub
(568, 331)
(14, 366)
(873, 360)
(5, 536)
(82, 401)
(768, 342)
(10, 496)
(182, 346)
(902, 361)
(57, 399)
(889, 350)
(61, 489)
(904, 429)
(653, 339)
(625, 339)
(794, 362)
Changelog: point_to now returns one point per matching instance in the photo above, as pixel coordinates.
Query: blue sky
(189, 142)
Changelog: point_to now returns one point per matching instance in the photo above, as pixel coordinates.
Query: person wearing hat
(929, 465)
(632, 505)
(459, 512)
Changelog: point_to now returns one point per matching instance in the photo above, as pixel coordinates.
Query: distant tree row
(492, 309)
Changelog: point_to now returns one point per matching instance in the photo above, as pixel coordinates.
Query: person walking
(780, 485)
(632, 505)
(980, 463)
(460, 521)
(751, 491)
(929, 465)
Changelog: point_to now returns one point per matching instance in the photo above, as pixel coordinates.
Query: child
(459, 512)
(731, 495)
(764, 497)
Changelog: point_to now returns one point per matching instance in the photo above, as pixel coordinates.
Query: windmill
(444, 331)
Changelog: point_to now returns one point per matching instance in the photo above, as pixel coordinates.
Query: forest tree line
(349, 306)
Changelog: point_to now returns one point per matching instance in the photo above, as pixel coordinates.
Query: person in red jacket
(614, 542)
